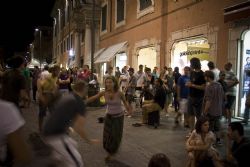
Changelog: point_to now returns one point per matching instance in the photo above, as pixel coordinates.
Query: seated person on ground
(240, 148)
(199, 144)
(157, 103)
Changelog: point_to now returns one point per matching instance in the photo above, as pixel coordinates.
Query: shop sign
(201, 53)
(248, 52)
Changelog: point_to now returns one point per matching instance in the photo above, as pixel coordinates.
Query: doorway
(243, 66)
(147, 57)
(182, 51)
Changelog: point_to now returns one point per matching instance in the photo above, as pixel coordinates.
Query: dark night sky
(19, 18)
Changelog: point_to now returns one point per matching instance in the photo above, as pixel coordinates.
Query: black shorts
(230, 102)
(138, 88)
(42, 111)
(214, 123)
(195, 106)
(130, 98)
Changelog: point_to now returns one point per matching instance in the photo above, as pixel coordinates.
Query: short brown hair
(79, 86)
(209, 74)
(159, 160)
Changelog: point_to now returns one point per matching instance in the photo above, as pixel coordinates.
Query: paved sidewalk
(138, 144)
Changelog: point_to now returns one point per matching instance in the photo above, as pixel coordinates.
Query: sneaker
(155, 125)
(167, 115)
(129, 116)
(137, 124)
(218, 143)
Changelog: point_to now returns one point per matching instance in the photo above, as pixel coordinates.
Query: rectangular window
(55, 28)
(55, 32)
(63, 20)
(83, 36)
(68, 12)
(68, 44)
(71, 41)
(61, 47)
(65, 45)
(55, 49)
(104, 18)
(145, 4)
(120, 11)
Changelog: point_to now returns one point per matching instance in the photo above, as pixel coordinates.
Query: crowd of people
(62, 96)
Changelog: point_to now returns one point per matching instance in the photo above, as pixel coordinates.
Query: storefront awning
(237, 12)
(96, 55)
(110, 52)
(33, 63)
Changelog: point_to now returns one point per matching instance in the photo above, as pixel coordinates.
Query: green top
(26, 73)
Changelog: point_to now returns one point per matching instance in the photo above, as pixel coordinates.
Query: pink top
(114, 106)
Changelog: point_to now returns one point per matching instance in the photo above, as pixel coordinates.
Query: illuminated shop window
(183, 51)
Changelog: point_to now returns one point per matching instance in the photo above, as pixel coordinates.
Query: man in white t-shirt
(45, 73)
(215, 70)
(141, 78)
(10, 124)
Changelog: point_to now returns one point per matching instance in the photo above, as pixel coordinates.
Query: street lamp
(40, 46)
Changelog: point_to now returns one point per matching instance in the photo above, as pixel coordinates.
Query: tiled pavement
(138, 144)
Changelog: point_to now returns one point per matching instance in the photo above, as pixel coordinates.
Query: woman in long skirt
(113, 124)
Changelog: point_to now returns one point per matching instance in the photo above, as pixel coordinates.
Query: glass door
(243, 65)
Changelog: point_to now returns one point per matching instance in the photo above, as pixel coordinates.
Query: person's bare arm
(231, 84)
(93, 98)
(124, 101)
(78, 126)
(200, 87)
(207, 106)
(188, 141)
(202, 147)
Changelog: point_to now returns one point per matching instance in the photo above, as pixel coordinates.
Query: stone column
(77, 48)
(87, 42)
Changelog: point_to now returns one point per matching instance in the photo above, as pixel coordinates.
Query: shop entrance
(120, 60)
(243, 66)
(147, 57)
(183, 51)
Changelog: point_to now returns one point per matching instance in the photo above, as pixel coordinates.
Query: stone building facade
(169, 33)
(155, 33)
(72, 31)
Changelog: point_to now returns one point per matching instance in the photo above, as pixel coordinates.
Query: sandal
(136, 124)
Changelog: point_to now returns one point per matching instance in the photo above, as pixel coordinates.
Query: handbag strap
(70, 153)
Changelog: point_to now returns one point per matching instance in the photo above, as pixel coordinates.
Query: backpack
(43, 153)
